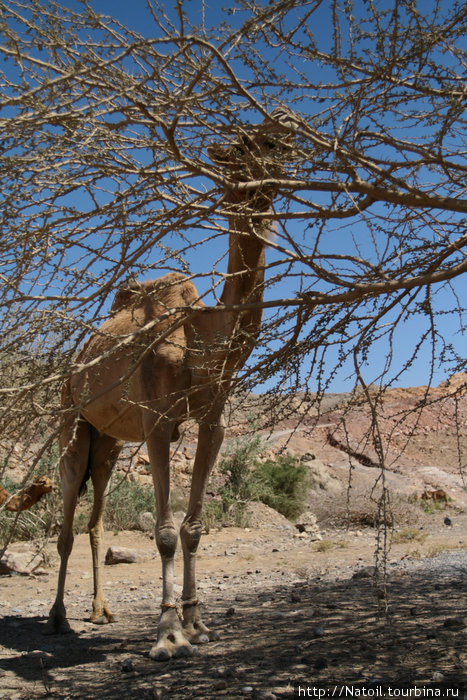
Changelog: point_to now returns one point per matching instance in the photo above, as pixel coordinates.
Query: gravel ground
(287, 614)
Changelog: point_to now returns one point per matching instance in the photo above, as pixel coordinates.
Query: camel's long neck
(245, 275)
(245, 269)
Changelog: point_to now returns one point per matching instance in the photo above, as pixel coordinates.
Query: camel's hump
(171, 290)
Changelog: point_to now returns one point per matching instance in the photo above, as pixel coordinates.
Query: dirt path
(286, 613)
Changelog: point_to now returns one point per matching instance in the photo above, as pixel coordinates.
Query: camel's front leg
(170, 639)
(210, 440)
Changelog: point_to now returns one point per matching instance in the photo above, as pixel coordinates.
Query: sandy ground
(287, 614)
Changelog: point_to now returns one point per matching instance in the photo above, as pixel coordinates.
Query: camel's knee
(190, 534)
(166, 540)
(65, 543)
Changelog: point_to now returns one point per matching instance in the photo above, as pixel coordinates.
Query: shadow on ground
(307, 633)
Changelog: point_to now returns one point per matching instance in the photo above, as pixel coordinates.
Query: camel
(26, 498)
(180, 364)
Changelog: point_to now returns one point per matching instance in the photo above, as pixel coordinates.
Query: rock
(38, 654)
(454, 623)
(179, 517)
(223, 672)
(147, 522)
(247, 689)
(220, 685)
(230, 612)
(366, 572)
(320, 478)
(127, 666)
(20, 562)
(437, 677)
(120, 555)
(320, 663)
(318, 631)
(142, 459)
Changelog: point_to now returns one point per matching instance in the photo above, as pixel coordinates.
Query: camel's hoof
(103, 618)
(200, 634)
(164, 653)
(184, 651)
(160, 654)
(204, 638)
(172, 645)
(56, 625)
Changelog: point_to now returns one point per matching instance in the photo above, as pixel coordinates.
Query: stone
(179, 517)
(454, 622)
(147, 521)
(20, 562)
(120, 555)
(127, 666)
(366, 572)
(220, 685)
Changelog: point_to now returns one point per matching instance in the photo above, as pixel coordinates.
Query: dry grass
(361, 510)
(409, 534)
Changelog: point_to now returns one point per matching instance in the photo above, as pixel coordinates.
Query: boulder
(320, 477)
(147, 522)
(120, 555)
(20, 562)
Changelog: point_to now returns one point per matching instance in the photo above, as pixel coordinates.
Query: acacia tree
(105, 176)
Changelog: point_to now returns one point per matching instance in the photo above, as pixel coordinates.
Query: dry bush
(361, 510)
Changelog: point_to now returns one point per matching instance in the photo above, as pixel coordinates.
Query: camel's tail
(83, 486)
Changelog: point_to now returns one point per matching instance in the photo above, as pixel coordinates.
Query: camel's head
(257, 156)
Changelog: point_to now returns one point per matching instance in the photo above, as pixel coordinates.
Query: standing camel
(158, 360)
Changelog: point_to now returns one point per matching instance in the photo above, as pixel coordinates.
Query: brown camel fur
(159, 360)
(27, 497)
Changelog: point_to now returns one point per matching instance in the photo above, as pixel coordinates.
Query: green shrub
(125, 503)
(431, 507)
(236, 466)
(282, 484)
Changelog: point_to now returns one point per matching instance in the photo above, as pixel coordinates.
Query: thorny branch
(105, 177)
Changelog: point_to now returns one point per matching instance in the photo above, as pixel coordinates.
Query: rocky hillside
(423, 433)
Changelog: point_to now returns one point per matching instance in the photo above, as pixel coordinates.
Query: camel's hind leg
(74, 449)
(104, 453)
